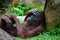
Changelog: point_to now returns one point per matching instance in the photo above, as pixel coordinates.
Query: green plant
(44, 36)
(21, 8)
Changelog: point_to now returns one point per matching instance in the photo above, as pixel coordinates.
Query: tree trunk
(52, 14)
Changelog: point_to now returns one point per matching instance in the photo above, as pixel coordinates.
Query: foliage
(21, 8)
(44, 36)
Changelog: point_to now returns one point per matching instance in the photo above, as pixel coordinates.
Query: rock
(5, 36)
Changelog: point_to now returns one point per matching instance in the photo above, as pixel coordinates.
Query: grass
(42, 37)
(21, 8)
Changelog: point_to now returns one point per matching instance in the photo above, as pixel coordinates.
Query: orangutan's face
(35, 18)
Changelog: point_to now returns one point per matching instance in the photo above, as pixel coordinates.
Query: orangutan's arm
(21, 32)
(12, 30)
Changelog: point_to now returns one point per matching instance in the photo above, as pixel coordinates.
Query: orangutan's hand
(6, 18)
(14, 17)
(6, 21)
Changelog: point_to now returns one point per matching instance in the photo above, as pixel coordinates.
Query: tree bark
(52, 14)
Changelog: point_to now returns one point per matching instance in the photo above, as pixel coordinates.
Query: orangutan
(33, 24)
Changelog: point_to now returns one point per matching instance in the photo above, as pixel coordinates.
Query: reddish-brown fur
(20, 30)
